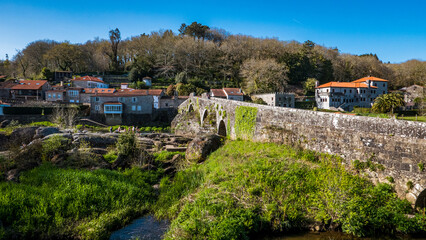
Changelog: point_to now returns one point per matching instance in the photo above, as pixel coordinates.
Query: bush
(53, 145)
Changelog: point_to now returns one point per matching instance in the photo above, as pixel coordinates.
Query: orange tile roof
(370, 78)
(99, 90)
(132, 92)
(218, 93)
(88, 78)
(3, 103)
(29, 84)
(233, 91)
(344, 85)
(7, 85)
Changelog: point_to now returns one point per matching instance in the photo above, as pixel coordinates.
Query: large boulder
(96, 140)
(23, 135)
(45, 131)
(200, 147)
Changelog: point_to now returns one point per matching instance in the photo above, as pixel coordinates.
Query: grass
(66, 203)
(245, 189)
(14, 125)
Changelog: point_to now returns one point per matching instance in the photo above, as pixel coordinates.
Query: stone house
(347, 95)
(88, 82)
(278, 99)
(62, 76)
(228, 93)
(30, 89)
(121, 105)
(55, 95)
(167, 102)
(412, 93)
(5, 89)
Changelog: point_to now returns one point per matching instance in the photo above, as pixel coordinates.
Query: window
(97, 107)
(113, 108)
(59, 95)
(139, 108)
(120, 99)
(345, 90)
(350, 91)
(54, 95)
(133, 99)
(167, 104)
(133, 108)
(49, 95)
(332, 90)
(96, 99)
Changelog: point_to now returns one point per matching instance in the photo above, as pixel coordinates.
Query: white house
(88, 82)
(347, 95)
(228, 93)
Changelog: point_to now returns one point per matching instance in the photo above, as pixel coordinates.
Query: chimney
(368, 83)
(62, 83)
(316, 83)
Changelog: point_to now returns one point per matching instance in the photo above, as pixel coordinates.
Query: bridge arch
(190, 108)
(221, 129)
(204, 116)
(421, 200)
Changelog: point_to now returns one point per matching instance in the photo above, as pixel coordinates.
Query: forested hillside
(208, 57)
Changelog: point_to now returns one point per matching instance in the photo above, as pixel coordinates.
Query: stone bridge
(400, 146)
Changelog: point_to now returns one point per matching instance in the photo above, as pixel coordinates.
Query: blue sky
(394, 30)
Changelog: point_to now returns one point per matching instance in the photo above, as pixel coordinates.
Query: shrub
(421, 166)
(390, 179)
(127, 144)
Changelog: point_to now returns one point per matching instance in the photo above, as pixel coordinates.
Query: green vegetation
(14, 125)
(246, 188)
(61, 203)
(421, 166)
(245, 122)
(388, 102)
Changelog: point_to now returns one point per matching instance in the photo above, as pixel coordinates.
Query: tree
(114, 38)
(171, 90)
(261, 76)
(309, 86)
(65, 57)
(388, 102)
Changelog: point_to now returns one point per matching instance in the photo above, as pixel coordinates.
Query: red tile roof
(29, 85)
(88, 78)
(218, 93)
(99, 90)
(7, 85)
(3, 103)
(344, 85)
(371, 79)
(132, 92)
(233, 91)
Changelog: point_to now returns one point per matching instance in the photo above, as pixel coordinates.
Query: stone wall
(398, 145)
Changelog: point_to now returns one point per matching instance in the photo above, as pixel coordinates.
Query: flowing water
(149, 228)
(144, 228)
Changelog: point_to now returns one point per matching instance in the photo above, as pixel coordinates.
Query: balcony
(113, 108)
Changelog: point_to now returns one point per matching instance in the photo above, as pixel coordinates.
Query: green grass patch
(65, 203)
(246, 188)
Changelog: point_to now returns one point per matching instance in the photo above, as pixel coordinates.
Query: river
(149, 228)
